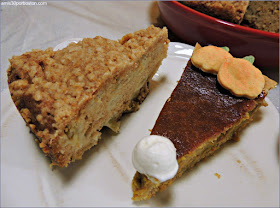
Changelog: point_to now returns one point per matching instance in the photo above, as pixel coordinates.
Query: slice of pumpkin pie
(67, 96)
(198, 117)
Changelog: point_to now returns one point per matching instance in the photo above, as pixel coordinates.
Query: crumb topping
(232, 11)
(56, 84)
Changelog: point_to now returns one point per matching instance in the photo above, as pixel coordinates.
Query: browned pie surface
(199, 109)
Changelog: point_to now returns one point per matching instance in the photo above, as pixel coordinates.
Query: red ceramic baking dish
(192, 26)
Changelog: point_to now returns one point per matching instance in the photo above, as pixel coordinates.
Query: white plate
(248, 169)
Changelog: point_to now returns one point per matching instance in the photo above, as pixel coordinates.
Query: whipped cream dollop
(155, 156)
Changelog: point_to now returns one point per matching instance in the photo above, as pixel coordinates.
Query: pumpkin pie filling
(198, 118)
